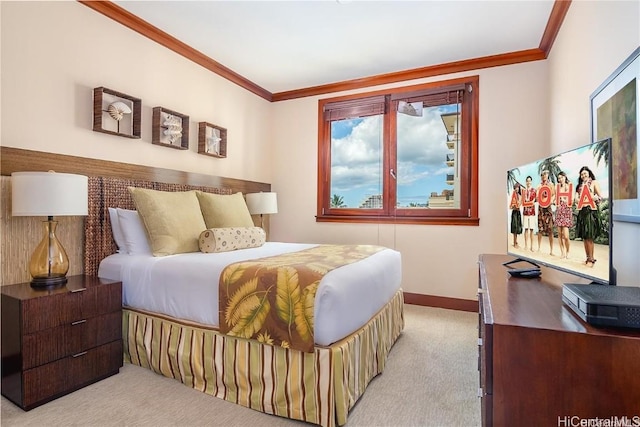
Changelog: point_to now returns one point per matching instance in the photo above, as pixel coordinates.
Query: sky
(356, 146)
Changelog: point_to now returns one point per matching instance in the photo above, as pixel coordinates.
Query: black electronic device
(601, 305)
(530, 272)
(526, 273)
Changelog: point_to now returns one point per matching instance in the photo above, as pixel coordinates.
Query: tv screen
(558, 212)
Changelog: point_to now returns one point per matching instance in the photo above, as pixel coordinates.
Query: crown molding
(416, 73)
(122, 16)
(129, 20)
(558, 12)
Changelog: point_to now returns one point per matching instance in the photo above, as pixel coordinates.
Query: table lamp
(262, 203)
(48, 194)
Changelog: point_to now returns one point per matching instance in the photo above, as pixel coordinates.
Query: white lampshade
(262, 203)
(48, 194)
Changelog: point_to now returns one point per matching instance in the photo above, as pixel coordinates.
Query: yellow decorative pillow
(220, 211)
(231, 238)
(173, 220)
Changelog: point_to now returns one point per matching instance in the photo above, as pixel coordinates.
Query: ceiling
(285, 46)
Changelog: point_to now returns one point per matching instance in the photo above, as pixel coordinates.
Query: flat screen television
(559, 222)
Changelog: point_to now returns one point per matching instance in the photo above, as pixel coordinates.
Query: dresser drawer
(52, 344)
(65, 375)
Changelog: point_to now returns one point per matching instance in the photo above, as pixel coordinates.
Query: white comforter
(185, 286)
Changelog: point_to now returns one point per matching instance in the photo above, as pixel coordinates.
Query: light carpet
(431, 379)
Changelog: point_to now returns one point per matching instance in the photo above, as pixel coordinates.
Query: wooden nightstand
(55, 341)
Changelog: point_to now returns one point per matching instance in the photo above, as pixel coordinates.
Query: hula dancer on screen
(529, 213)
(588, 224)
(546, 193)
(564, 212)
(516, 217)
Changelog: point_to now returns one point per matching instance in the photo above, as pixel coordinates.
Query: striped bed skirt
(319, 387)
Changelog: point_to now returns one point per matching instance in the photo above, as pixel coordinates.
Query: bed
(176, 330)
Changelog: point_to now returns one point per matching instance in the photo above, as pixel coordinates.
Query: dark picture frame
(107, 118)
(170, 128)
(212, 140)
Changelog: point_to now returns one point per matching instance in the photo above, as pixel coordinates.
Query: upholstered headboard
(105, 193)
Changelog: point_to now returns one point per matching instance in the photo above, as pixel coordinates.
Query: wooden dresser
(540, 364)
(55, 341)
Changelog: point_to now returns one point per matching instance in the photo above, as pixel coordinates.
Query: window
(408, 155)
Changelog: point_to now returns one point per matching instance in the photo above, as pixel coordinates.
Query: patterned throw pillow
(231, 239)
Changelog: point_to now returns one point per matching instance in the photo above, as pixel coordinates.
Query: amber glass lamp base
(49, 262)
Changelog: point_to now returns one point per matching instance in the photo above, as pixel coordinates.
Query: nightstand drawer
(63, 376)
(65, 308)
(73, 338)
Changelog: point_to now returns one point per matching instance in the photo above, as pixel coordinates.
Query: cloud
(363, 146)
(356, 156)
(423, 139)
(350, 178)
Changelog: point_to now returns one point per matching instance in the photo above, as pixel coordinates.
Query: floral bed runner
(272, 299)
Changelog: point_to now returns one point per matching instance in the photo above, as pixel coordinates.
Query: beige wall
(54, 54)
(437, 260)
(596, 37)
(527, 111)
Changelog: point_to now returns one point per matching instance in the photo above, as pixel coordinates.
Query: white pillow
(135, 235)
(116, 230)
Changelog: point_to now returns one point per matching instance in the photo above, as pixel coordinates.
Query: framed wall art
(170, 128)
(116, 113)
(615, 115)
(212, 140)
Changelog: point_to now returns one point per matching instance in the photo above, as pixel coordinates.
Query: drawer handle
(78, 322)
(79, 354)
(78, 290)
